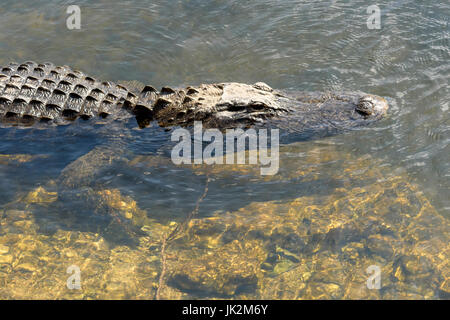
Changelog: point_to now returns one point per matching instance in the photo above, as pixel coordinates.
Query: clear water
(317, 46)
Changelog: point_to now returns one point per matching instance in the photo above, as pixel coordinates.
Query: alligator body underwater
(32, 93)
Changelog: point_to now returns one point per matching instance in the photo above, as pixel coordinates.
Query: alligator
(44, 95)
(33, 93)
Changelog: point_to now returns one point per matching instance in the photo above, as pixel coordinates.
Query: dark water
(312, 46)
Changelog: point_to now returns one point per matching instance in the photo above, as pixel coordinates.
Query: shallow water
(289, 45)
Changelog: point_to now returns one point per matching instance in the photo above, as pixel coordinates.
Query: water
(289, 45)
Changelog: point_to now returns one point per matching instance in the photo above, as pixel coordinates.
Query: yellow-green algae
(8, 159)
(41, 195)
(310, 247)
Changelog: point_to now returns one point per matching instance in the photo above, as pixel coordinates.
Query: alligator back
(31, 91)
(59, 94)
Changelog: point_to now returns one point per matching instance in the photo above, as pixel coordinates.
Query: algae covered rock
(8, 159)
(41, 195)
(227, 271)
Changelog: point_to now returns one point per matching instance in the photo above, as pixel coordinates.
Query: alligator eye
(365, 106)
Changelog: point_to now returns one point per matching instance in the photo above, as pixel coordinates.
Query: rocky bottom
(310, 247)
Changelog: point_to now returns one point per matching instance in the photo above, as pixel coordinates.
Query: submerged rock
(41, 195)
(6, 159)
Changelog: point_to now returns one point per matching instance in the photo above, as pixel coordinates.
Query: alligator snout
(371, 105)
